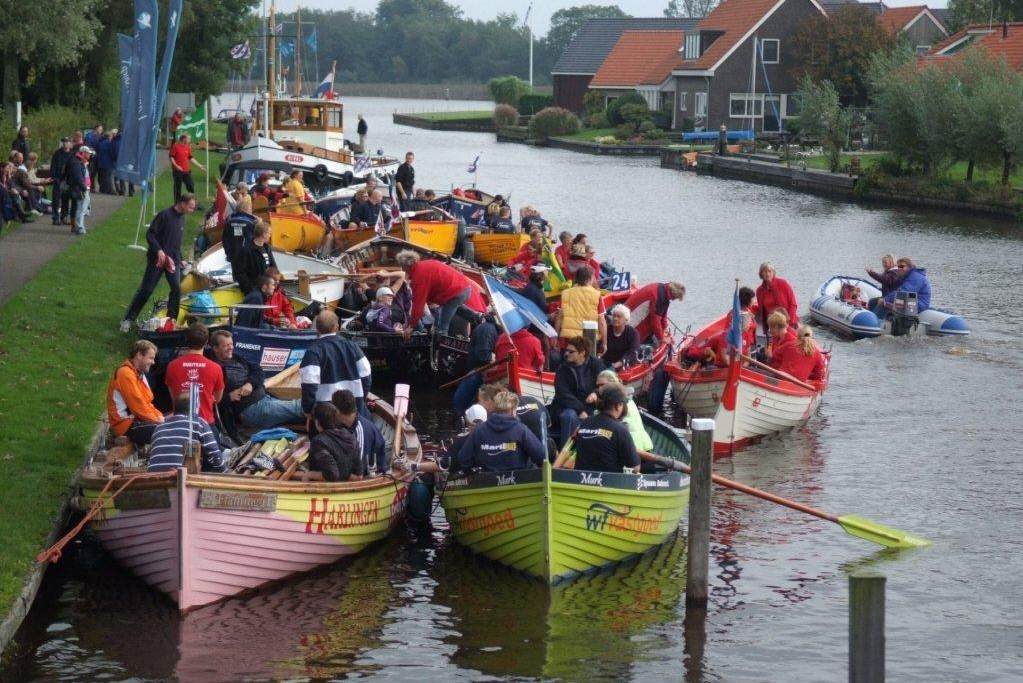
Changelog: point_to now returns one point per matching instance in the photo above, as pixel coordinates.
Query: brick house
(734, 68)
(917, 24)
(589, 48)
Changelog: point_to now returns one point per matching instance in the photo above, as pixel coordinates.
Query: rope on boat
(53, 553)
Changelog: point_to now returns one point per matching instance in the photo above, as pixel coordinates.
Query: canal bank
(889, 444)
(59, 342)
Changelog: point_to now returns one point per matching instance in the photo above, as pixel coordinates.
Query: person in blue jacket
(106, 159)
(373, 447)
(502, 443)
(914, 280)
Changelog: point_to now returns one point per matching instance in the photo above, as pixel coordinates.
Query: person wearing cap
(383, 316)
(80, 187)
(533, 289)
(58, 170)
(603, 442)
(502, 443)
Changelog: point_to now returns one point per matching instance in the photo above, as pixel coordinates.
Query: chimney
(1005, 29)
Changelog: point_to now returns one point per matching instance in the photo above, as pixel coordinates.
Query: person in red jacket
(531, 252)
(530, 352)
(781, 333)
(801, 358)
(774, 292)
(649, 306)
(439, 284)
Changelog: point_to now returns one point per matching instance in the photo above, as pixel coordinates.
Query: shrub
(634, 113)
(46, 126)
(625, 131)
(508, 89)
(553, 121)
(606, 140)
(615, 106)
(533, 102)
(505, 115)
(593, 102)
(598, 120)
(655, 134)
(646, 127)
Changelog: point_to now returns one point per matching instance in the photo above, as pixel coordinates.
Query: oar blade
(874, 532)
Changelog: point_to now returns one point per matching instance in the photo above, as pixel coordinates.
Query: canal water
(921, 434)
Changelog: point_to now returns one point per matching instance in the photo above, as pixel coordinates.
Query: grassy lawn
(59, 344)
(955, 172)
(588, 134)
(476, 115)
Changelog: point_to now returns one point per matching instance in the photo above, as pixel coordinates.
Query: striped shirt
(168, 447)
(332, 363)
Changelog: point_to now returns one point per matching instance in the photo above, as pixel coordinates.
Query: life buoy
(347, 178)
(320, 172)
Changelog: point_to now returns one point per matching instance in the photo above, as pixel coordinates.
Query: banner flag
(124, 50)
(147, 16)
(195, 124)
(174, 7)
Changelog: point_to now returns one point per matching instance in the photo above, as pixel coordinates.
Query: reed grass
(59, 345)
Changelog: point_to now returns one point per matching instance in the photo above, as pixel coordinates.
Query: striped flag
(241, 51)
(475, 164)
(361, 164)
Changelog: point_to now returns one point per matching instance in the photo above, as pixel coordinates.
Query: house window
(683, 99)
(745, 105)
(922, 49)
(692, 46)
(790, 106)
(769, 50)
(700, 104)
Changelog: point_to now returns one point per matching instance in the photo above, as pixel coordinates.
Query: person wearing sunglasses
(575, 382)
(913, 280)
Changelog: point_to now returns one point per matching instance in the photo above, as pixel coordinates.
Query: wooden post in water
(866, 627)
(698, 547)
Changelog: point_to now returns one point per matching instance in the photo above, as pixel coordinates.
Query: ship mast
(272, 84)
(298, 53)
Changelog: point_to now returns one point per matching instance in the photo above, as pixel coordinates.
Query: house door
(772, 114)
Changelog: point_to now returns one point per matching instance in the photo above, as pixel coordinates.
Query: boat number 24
(620, 281)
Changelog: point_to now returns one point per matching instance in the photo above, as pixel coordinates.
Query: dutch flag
(325, 90)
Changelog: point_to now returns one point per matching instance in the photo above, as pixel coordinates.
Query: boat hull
(339, 167)
(540, 385)
(438, 236)
(496, 249)
(556, 525)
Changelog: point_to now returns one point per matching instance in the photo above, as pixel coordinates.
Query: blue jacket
(329, 364)
(374, 448)
(106, 157)
(915, 281)
(501, 444)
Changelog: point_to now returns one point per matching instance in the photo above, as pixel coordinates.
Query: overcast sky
(542, 9)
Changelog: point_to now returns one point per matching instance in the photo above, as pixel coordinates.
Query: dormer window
(692, 49)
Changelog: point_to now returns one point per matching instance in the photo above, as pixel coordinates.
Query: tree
(821, 116)
(43, 35)
(689, 8)
(208, 30)
(565, 22)
(963, 12)
(837, 48)
(508, 89)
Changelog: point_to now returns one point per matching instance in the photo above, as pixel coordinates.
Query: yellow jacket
(578, 304)
(296, 193)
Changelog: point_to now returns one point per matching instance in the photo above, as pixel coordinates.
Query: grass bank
(475, 115)
(59, 344)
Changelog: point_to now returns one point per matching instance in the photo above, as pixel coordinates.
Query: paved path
(29, 247)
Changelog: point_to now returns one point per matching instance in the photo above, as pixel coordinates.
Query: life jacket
(578, 303)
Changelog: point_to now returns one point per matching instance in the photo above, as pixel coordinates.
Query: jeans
(106, 180)
(568, 422)
(186, 179)
(270, 412)
(150, 279)
(448, 310)
(141, 432)
(82, 210)
(659, 384)
(465, 394)
(57, 205)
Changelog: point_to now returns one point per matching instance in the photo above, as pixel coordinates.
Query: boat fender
(347, 178)
(320, 171)
(469, 252)
(460, 240)
(420, 500)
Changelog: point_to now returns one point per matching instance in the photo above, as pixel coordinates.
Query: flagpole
(208, 100)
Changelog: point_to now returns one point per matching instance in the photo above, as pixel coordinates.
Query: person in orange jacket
(130, 408)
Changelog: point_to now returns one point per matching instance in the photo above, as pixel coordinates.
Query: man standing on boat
(253, 259)
(181, 165)
(362, 129)
(163, 258)
(332, 363)
(405, 180)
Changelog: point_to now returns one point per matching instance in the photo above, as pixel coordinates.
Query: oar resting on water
(853, 524)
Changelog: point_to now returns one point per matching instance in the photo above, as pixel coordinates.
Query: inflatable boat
(841, 304)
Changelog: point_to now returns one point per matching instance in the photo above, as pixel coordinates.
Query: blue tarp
(712, 136)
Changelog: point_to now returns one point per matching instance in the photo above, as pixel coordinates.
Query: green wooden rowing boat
(556, 524)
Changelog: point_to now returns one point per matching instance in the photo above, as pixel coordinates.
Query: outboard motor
(646, 353)
(904, 313)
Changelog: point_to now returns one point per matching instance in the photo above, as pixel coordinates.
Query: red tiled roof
(990, 39)
(639, 58)
(894, 19)
(736, 18)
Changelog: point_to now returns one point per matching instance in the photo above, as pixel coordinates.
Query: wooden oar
(482, 368)
(783, 375)
(401, 393)
(854, 525)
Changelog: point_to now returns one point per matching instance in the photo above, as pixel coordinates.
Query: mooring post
(866, 627)
(698, 548)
